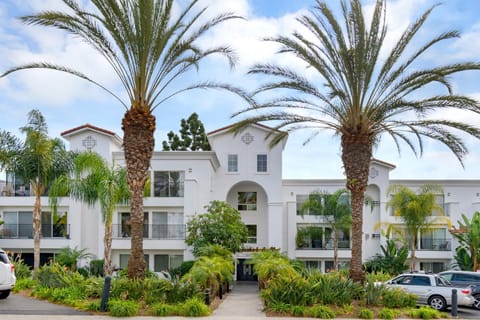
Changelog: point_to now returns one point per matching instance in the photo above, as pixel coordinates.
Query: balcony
(152, 231)
(324, 244)
(25, 231)
(435, 244)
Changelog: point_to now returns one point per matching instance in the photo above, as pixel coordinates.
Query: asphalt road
(18, 304)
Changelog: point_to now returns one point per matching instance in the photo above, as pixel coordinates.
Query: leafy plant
(22, 270)
(468, 235)
(164, 310)
(322, 312)
(391, 261)
(397, 298)
(426, 313)
(69, 257)
(373, 293)
(297, 311)
(194, 307)
(365, 314)
(122, 308)
(388, 314)
(23, 284)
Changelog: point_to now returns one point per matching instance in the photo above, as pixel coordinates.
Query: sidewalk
(242, 302)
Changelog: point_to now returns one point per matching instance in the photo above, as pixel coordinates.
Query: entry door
(245, 271)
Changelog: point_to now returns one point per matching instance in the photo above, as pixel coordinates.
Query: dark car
(465, 279)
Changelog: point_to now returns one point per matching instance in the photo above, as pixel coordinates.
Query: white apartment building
(244, 171)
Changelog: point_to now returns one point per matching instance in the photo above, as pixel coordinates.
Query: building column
(276, 225)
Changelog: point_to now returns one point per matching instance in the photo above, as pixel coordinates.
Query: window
(434, 239)
(19, 224)
(124, 261)
(168, 225)
(441, 204)
(124, 226)
(247, 201)
(168, 183)
(261, 163)
(434, 267)
(232, 163)
(163, 262)
(252, 233)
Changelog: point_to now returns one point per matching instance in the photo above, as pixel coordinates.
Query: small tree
(393, 260)
(416, 211)
(221, 225)
(192, 136)
(335, 210)
(468, 235)
(69, 257)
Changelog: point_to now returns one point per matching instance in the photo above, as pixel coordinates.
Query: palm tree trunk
(107, 253)
(335, 249)
(138, 126)
(356, 157)
(413, 247)
(37, 226)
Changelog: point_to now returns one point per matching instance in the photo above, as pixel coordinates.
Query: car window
(447, 276)
(441, 281)
(462, 277)
(3, 258)
(420, 281)
(405, 280)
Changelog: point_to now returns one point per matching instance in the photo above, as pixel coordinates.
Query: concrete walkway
(242, 301)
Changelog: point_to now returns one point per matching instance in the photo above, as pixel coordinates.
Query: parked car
(7, 275)
(431, 289)
(465, 279)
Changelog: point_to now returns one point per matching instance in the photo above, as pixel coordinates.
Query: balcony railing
(324, 244)
(25, 231)
(435, 244)
(152, 231)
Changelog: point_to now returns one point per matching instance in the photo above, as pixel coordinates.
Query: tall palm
(468, 236)
(10, 147)
(92, 180)
(416, 211)
(362, 95)
(40, 162)
(335, 210)
(150, 45)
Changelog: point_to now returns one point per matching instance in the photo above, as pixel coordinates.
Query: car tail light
(465, 291)
(12, 267)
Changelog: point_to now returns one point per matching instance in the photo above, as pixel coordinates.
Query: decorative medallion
(247, 138)
(89, 143)
(373, 173)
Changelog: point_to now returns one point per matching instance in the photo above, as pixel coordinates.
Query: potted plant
(316, 236)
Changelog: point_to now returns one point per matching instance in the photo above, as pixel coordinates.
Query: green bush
(181, 291)
(297, 311)
(41, 292)
(183, 269)
(122, 308)
(22, 271)
(373, 293)
(279, 307)
(93, 305)
(155, 290)
(56, 276)
(289, 290)
(388, 314)
(94, 287)
(397, 298)
(365, 314)
(96, 268)
(126, 289)
(194, 307)
(425, 313)
(23, 284)
(322, 312)
(332, 288)
(164, 310)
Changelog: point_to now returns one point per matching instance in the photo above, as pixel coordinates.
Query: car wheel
(476, 304)
(437, 303)
(4, 294)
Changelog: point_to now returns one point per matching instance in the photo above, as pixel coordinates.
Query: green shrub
(23, 284)
(164, 310)
(93, 305)
(373, 293)
(84, 271)
(332, 288)
(155, 290)
(96, 268)
(279, 307)
(378, 276)
(183, 269)
(69, 296)
(194, 307)
(51, 275)
(365, 314)
(348, 308)
(22, 271)
(425, 313)
(41, 292)
(292, 290)
(93, 287)
(397, 298)
(322, 312)
(297, 311)
(122, 308)
(388, 314)
(181, 291)
(126, 289)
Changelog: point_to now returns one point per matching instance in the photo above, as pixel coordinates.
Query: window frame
(232, 163)
(250, 202)
(262, 163)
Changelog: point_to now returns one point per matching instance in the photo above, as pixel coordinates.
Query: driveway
(18, 304)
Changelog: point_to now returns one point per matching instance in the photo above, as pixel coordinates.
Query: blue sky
(67, 102)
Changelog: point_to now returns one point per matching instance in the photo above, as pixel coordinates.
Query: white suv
(7, 275)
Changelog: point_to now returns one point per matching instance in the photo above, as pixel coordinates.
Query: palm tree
(468, 236)
(10, 147)
(335, 210)
(416, 211)
(149, 44)
(93, 180)
(363, 96)
(69, 257)
(40, 161)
